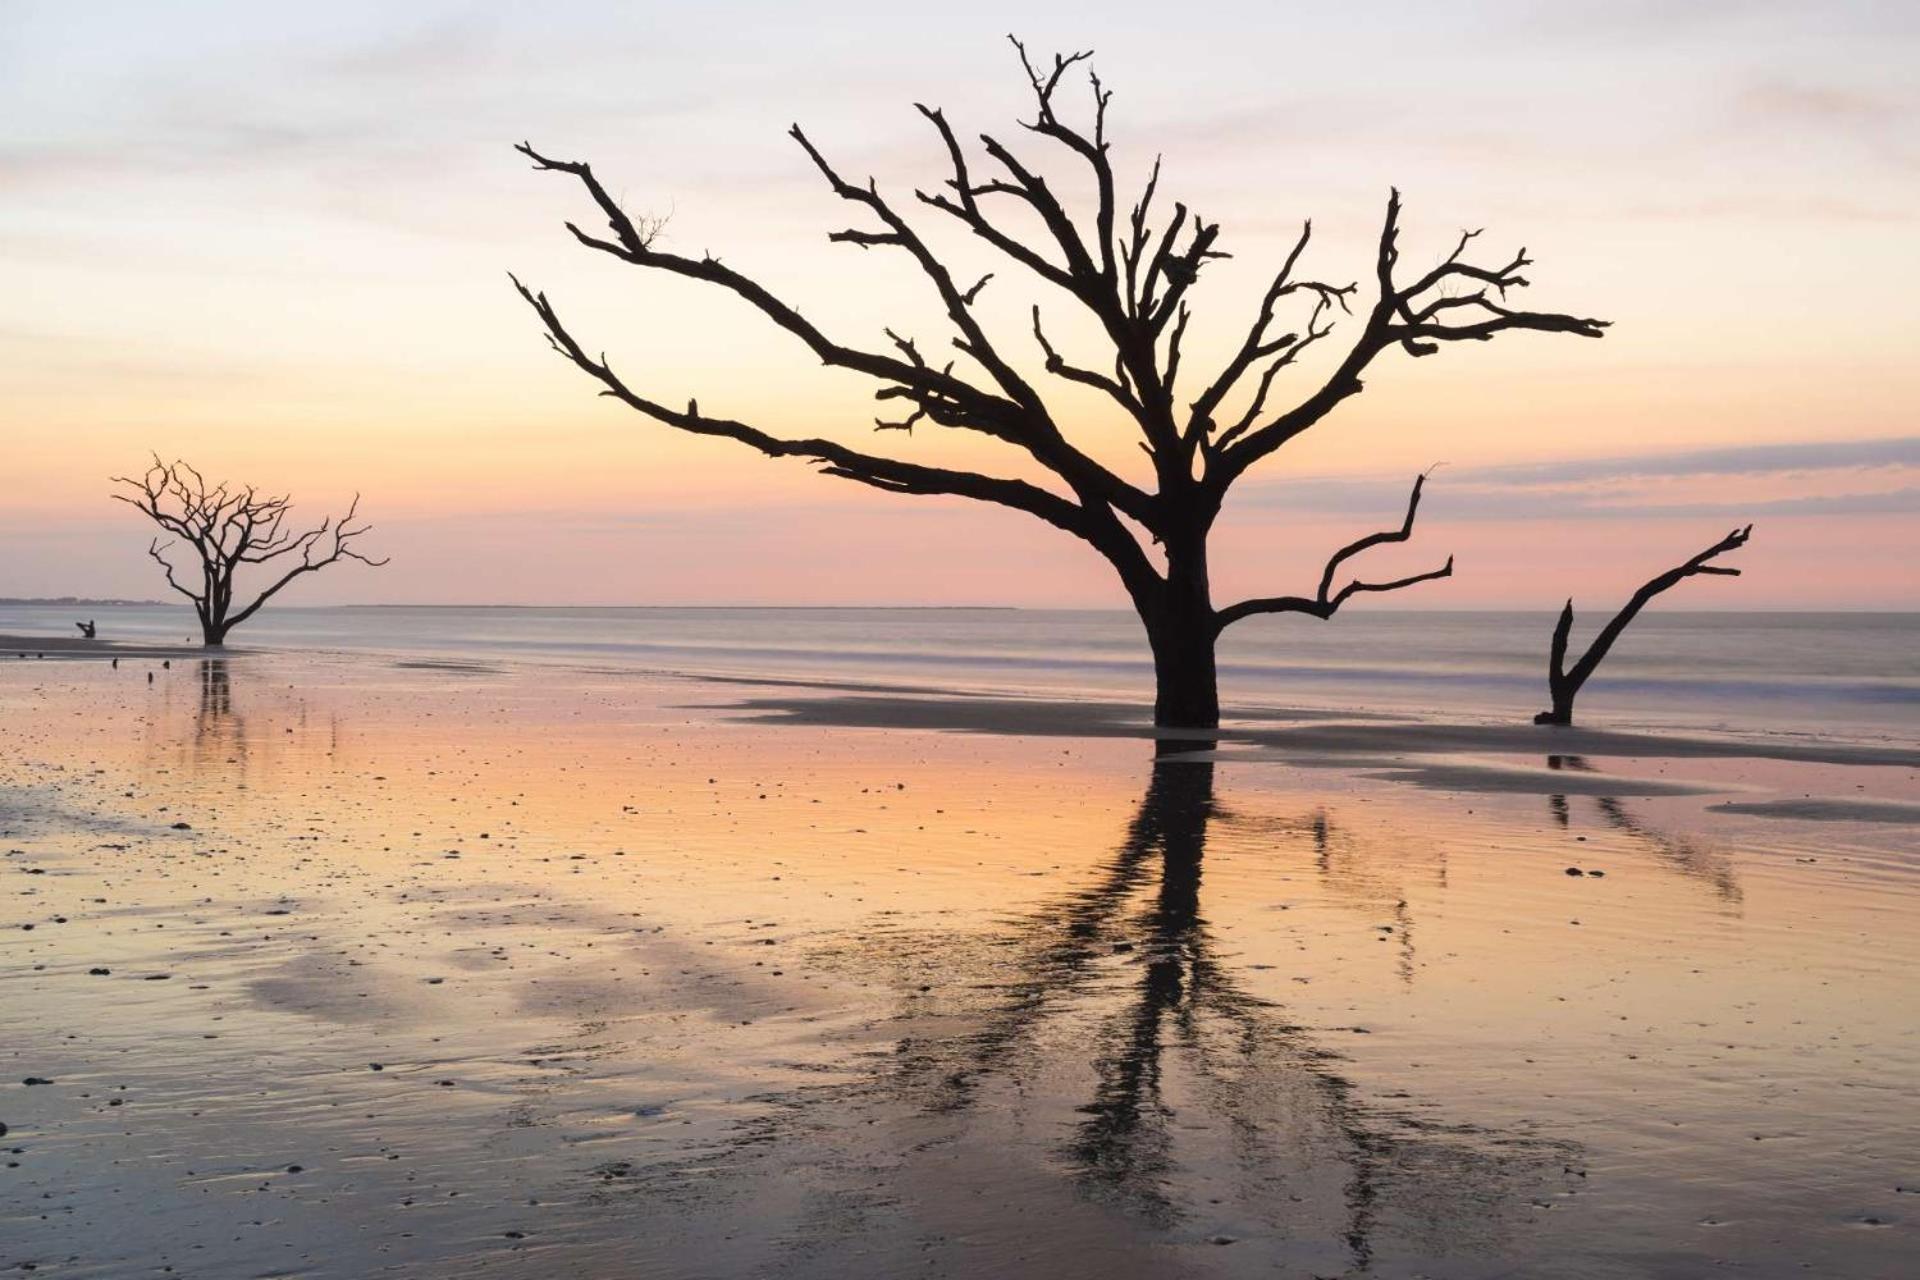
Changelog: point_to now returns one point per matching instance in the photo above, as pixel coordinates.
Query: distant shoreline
(71, 602)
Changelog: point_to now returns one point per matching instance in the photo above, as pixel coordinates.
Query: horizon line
(48, 602)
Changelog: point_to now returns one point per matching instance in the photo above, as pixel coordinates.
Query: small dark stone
(296, 1168)
(182, 826)
(376, 1066)
(99, 972)
(36, 1080)
(1575, 871)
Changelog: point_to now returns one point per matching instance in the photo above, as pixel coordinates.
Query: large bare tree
(226, 529)
(1132, 271)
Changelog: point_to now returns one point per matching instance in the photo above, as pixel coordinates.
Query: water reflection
(218, 731)
(216, 693)
(1107, 1035)
(1687, 855)
(1681, 853)
(1188, 1043)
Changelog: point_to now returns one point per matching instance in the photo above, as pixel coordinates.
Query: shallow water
(1847, 673)
(680, 978)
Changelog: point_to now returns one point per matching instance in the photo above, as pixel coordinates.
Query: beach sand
(30, 648)
(345, 966)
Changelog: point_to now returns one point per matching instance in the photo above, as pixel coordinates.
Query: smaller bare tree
(227, 528)
(1564, 683)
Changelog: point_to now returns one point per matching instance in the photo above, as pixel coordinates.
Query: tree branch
(1411, 319)
(835, 459)
(1326, 602)
(1018, 416)
(1258, 346)
(1086, 377)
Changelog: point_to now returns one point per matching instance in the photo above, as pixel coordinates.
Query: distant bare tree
(1131, 272)
(226, 528)
(1564, 683)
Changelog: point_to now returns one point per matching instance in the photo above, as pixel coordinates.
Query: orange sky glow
(276, 243)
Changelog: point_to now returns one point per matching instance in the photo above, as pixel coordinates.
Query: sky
(274, 240)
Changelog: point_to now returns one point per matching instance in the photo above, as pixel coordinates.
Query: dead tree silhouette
(227, 529)
(1564, 683)
(1131, 273)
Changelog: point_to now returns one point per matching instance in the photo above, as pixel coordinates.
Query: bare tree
(227, 528)
(1131, 271)
(1564, 683)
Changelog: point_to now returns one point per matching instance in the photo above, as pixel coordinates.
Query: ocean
(1853, 675)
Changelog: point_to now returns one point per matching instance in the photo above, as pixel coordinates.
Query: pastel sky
(274, 240)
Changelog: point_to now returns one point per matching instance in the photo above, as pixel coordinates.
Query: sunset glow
(277, 244)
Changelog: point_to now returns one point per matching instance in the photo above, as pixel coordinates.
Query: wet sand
(52, 647)
(342, 967)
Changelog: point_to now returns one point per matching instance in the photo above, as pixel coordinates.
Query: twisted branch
(1325, 602)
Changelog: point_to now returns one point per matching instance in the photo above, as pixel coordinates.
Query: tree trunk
(1182, 632)
(1562, 712)
(1187, 693)
(1560, 686)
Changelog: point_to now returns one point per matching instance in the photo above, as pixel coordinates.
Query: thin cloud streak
(1738, 460)
(1603, 488)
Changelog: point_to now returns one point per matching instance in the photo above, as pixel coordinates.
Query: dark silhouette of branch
(1133, 274)
(1564, 683)
(227, 527)
(1416, 317)
(1326, 601)
(1013, 412)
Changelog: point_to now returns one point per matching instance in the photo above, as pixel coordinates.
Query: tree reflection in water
(217, 728)
(1203, 1102)
(1682, 854)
